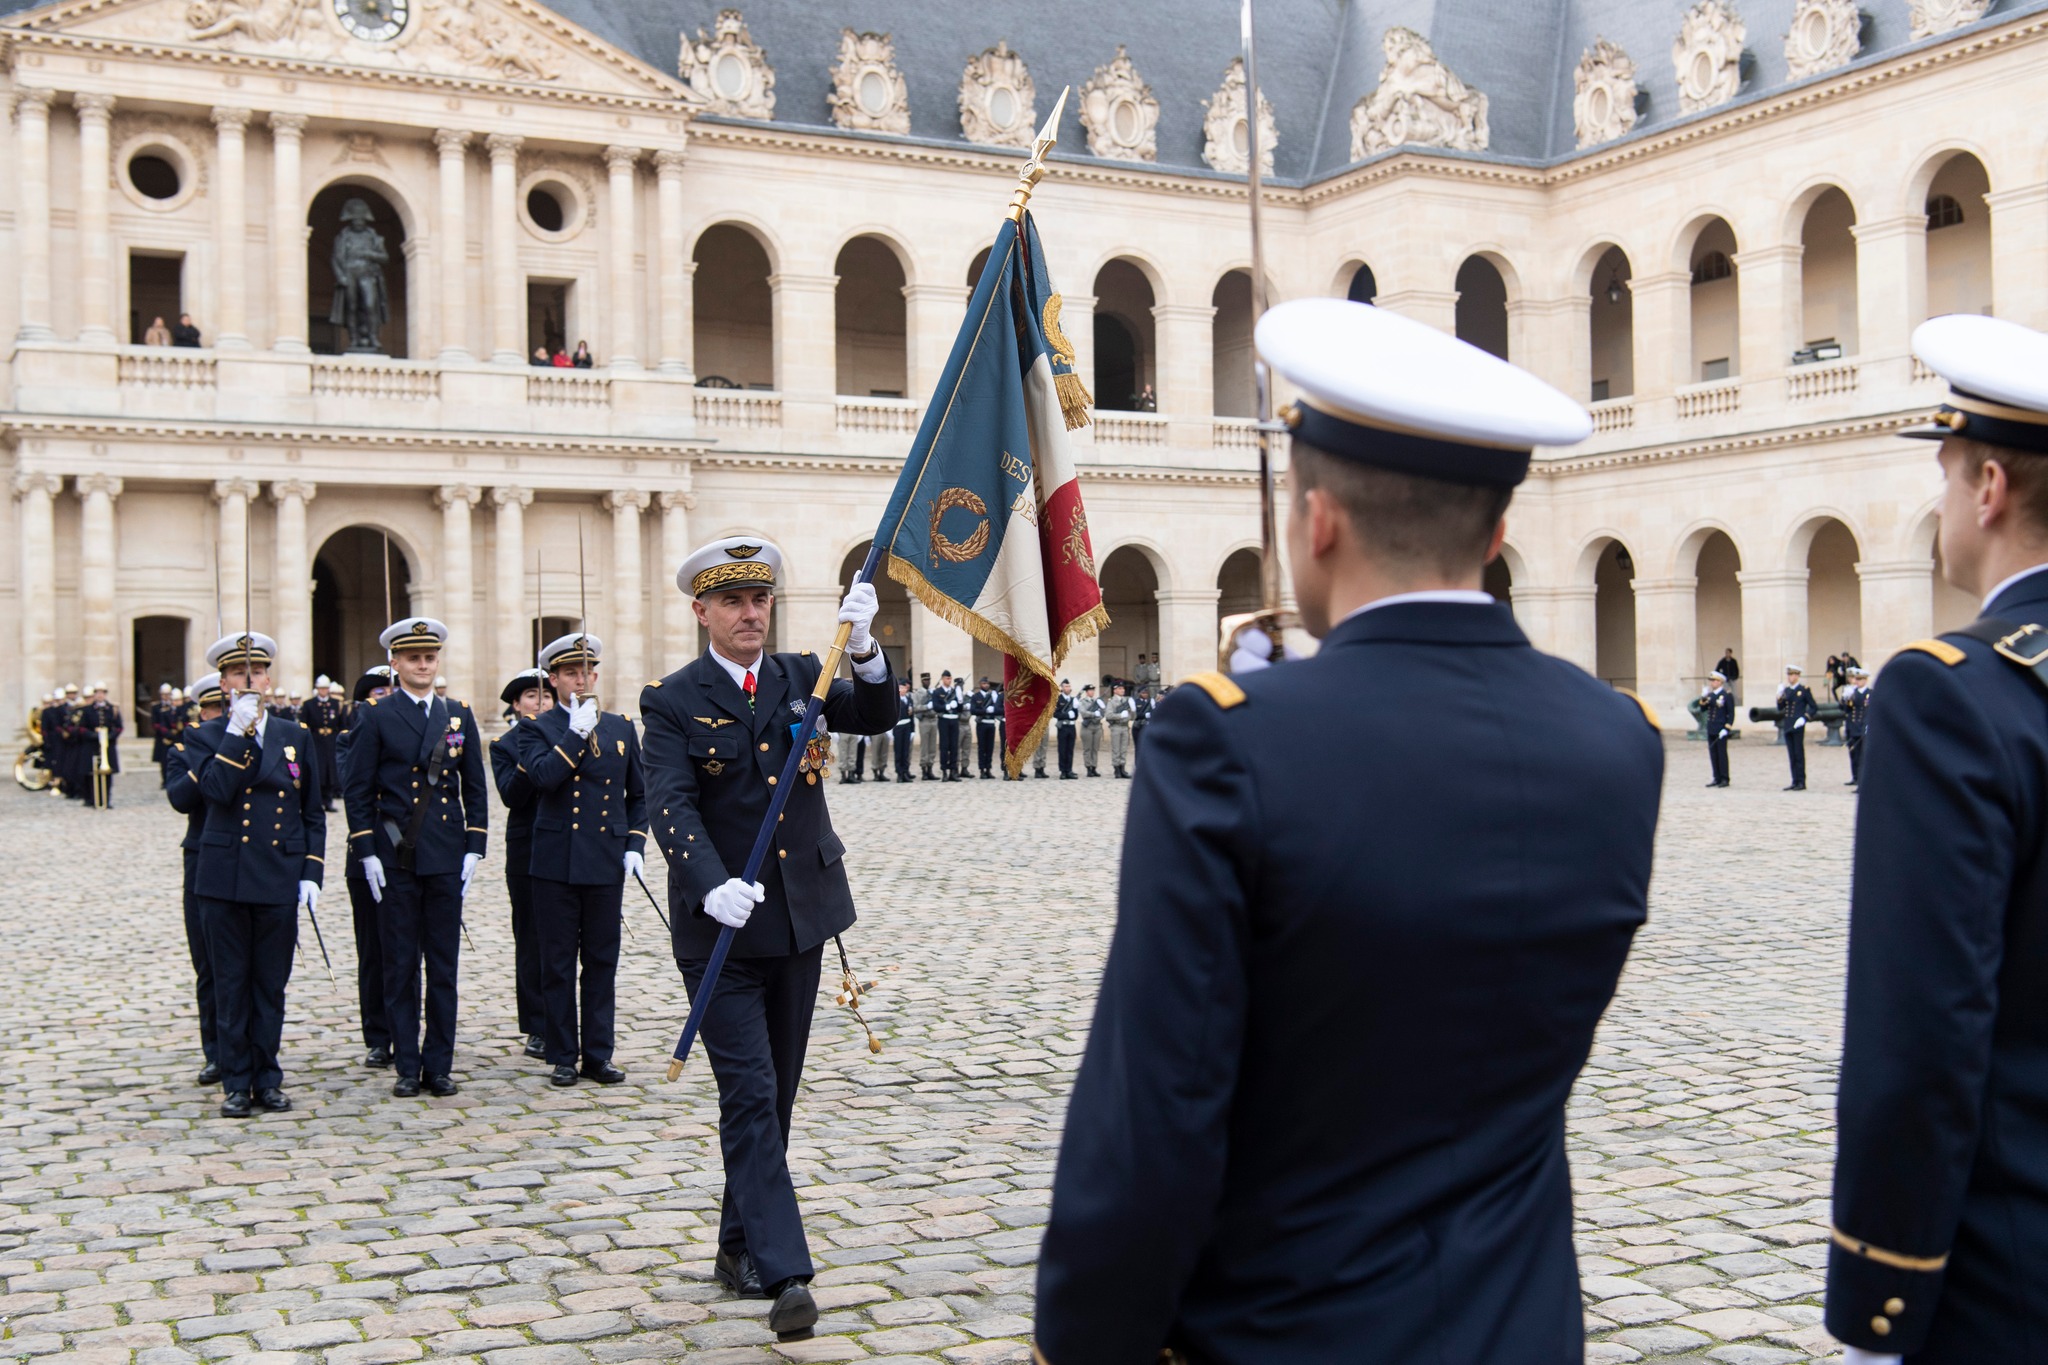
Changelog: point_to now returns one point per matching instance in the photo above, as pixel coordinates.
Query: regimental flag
(986, 525)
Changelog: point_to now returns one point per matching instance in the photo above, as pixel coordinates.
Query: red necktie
(749, 686)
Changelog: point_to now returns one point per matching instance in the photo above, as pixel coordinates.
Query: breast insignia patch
(1221, 690)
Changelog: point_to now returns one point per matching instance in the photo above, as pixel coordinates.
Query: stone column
(32, 210)
(1437, 307)
(1553, 339)
(678, 642)
(808, 618)
(36, 575)
(95, 244)
(620, 164)
(1898, 606)
(1184, 373)
(231, 547)
(231, 228)
(460, 661)
(1575, 623)
(454, 234)
(806, 350)
(291, 596)
(508, 283)
(1773, 629)
(1769, 296)
(96, 494)
(628, 668)
(2019, 254)
(933, 313)
(513, 648)
(1662, 318)
(1187, 632)
(1077, 320)
(1666, 642)
(288, 237)
(1891, 289)
(678, 343)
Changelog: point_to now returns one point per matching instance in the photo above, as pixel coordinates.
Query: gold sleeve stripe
(565, 758)
(472, 829)
(1649, 711)
(1940, 649)
(1895, 1259)
(230, 762)
(360, 834)
(1221, 690)
(316, 858)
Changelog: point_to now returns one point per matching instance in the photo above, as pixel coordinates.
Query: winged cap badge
(742, 551)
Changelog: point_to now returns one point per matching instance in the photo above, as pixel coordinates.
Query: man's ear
(1325, 520)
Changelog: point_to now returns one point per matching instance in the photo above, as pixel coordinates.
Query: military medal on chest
(817, 757)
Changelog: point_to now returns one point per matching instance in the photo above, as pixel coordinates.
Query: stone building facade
(1723, 258)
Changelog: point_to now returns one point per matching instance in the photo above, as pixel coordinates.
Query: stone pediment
(495, 41)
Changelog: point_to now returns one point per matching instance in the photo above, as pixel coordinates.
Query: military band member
(1117, 715)
(417, 804)
(1717, 718)
(1796, 707)
(719, 731)
(376, 1021)
(905, 721)
(1855, 703)
(1450, 899)
(947, 707)
(526, 697)
(1092, 710)
(101, 723)
(261, 858)
(927, 725)
(985, 703)
(163, 729)
(1066, 714)
(322, 715)
(589, 835)
(187, 755)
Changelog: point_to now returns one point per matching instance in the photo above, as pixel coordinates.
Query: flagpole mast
(1262, 378)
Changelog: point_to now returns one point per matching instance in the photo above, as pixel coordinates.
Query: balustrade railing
(742, 408)
(1804, 383)
(389, 381)
(1129, 428)
(1613, 414)
(1710, 399)
(165, 368)
(879, 416)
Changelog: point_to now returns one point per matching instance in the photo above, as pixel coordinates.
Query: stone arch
(1238, 582)
(1155, 276)
(1823, 222)
(906, 258)
(1957, 253)
(1710, 554)
(871, 321)
(1680, 256)
(1713, 300)
(1487, 288)
(1355, 280)
(1810, 523)
(1828, 547)
(1930, 163)
(1132, 576)
(1607, 562)
(148, 656)
(733, 319)
(764, 236)
(1686, 552)
(1604, 275)
(1126, 336)
(1230, 345)
(976, 265)
(1503, 571)
(391, 213)
(348, 600)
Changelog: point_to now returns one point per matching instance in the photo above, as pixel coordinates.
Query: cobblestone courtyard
(516, 1224)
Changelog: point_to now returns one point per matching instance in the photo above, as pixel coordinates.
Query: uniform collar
(738, 672)
(1469, 596)
(1430, 618)
(2028, 585)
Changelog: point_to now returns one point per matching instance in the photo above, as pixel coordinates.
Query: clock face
(374, 21)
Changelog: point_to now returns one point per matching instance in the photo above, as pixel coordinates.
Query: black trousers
(949, 747)
(1717, 755)
(1856, 759)
(755, 1033)
(251, 947)
(533, 1014)
(984, 744)
(1795, 751)
(578, 923)
(903, 733)
(420, 921)
(369, 963)
(202, 960)
(1066, 733)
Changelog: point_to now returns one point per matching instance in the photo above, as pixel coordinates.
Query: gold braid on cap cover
(725, 575)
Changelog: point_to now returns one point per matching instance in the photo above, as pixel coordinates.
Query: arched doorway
(349, 600)
(157, 656)
(1834, 599)
(1483, 306)
(1613, 327)
(1238, 589)
(1827, 275)
(734, 321)
(325, 336)
(1125, 340)
(869, 327)
(1716, 305)
(1614, 616)
(1230, 345)
(1716, 603)
(1959, 238)
(1363, 288)
(980, 264)
(1130, 593)
(892, 622)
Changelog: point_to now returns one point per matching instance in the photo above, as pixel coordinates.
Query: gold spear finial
(1034, 169)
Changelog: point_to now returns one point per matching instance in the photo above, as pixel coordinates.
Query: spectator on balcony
(561, 360)
(185, 333)
(540, 357)
(1146, 401)
(157, 335)
(583, 359)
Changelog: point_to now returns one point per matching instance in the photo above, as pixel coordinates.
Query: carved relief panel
(998, 102)
(1120, 113)
(1825, 34)
(727, 71)
(1931, 17)
(470, 37)
(1420, 102)
(1227, 135)
(1604, 102)
(1707, 56)
(868, 92)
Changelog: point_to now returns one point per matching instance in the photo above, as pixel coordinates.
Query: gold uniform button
(771, 780)
(574, 826)
(1881, 1326)
(1894, 1307)
(764, 748)
(245, 838)
(245, 824)
(782, 853)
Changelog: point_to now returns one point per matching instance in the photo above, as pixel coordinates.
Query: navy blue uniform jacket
(514, 788)
(1354, 974)
(591, 807)
(184, 758)
(1941, 1171)
(389, 743)
(1717, 712)
(266, 826)
(710, 765)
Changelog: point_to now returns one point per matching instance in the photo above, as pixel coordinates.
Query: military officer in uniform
(187, 755)
(985, 703)
(163, 729)
(927, 725)
(1941, 1167)
(719, 731)
(1717, 718)
(1117, 716)
(376, 1023)
(1092, 711)
(418, 806)
(322, 715)
(1066, 714)
(1855, 703)
(589, 835)
(1321, 1115)
(261, 858)
(526, 697)
(57, 744)
(97, 716)
(906, 720)
(1796, 707)
(947, 706)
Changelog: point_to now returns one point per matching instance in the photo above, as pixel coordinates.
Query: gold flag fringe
(1013, 760)
(1090, 623)
(1075, 400)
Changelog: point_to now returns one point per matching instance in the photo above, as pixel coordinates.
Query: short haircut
(1404, 519)
(2025, 473)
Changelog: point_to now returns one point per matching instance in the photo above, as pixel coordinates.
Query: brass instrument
(102, 771)
(31, 773)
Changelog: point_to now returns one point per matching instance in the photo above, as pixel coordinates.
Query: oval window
(1599, 104)
(154, 176)
(874, 92)
(729, 75)
(1002, 107)
(1241, 138)
(1123, 122)
(545, 209)
(1701, 78)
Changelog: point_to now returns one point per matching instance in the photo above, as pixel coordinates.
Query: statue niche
(356, 268)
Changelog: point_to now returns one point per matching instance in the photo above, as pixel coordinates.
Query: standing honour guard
(1940, 1215)
(101, 725)
(1092, 711)
(718, 732)
(55, 723)
(525, 697)
(1321, 1115)
(1855, 703)
(186, 756)
(948, 704)
(1066, 714)
(927, 725)
(1717, 718)
(417, 805)
(1796, 707)
(589, 835)
(260, 859)
(1118, 715)
(905, 723)
(375, 682)
(322, 716)
(166, 718)
(986, 702)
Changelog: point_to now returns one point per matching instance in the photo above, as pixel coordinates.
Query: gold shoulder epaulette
(1221, 690)
(1940, 649)
(654, 682)
(1649, 711)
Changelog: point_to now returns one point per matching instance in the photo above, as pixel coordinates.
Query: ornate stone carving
(998, 102)
(1119, 112)
(478, 37)
(727, 71)
(1420, 102)
(868, 92)
(1227, 145)
(1931, 17)
(1604, 107)
(1825, 34)
(1707, 56)
(262, 21)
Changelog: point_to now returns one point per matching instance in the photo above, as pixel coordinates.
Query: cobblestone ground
(515, 1224)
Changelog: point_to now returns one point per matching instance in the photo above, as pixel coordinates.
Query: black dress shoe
(795, 1312)
(273, 1099)
(405, 1087)
(737, 1272)
(1796, 787)
(235, 1105)
(535, 1048)
(604, 1073)
(378, 1056)
(563, 1075)
(210, 1074)
(440, 1087)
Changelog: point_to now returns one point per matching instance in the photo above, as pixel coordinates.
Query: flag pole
(1262, 378)
(1027, 181)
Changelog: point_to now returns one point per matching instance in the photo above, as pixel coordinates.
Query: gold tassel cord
(1075, 400)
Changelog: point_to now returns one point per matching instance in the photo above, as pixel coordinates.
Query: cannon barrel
(1828, 714)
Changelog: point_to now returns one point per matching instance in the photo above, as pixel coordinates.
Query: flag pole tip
(1034, 168)
(675, 1070)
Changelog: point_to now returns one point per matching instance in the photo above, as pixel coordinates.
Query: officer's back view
(1321, 1113)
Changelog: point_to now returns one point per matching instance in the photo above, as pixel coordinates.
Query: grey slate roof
(1317, 58)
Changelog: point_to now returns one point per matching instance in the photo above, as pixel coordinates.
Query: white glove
(373, 873)
(636, 866)
(1799, 724)
(1854, 1356)
(732, 904)
(243, 714)
(309, 895)
(1724, 734)
(469, 862)
(858, 608)
(583, 719)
